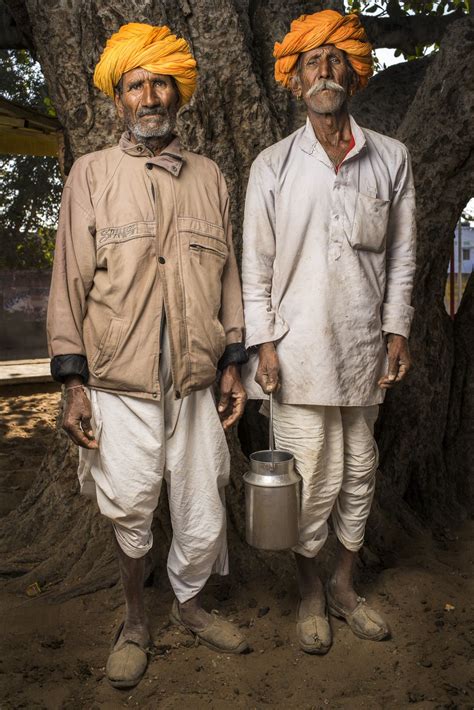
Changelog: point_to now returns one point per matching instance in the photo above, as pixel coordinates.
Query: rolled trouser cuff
(128, 544)
(310, 548)
(351, 545)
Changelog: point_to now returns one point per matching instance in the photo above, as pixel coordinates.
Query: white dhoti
(337, 458)
(140, 443)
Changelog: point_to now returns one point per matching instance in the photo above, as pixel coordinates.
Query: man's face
(147, 103)
(325, 79)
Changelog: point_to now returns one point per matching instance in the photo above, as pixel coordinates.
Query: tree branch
(406, 32)
(383, 104)
(15, 29)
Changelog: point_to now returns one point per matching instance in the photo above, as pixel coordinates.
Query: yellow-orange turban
(325, 27)
(153, 48)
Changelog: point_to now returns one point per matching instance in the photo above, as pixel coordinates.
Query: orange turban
(153, 48)
(325, 27)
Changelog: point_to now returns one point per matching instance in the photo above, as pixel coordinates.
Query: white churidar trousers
(140, 443)
(337, 458)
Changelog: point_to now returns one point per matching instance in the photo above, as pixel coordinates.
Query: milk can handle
(270, 432)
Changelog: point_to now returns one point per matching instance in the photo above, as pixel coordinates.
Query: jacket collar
(171, 158)
(310, 144)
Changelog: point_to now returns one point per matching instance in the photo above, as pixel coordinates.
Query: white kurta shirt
(328, 264)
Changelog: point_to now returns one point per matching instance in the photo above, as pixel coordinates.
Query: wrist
(266, 347)
(232, 369)
(73, 381)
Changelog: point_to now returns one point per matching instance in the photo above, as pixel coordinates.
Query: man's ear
(295, 86)
(177, 101)
(354, 81)
(177, 95)
(118, 103)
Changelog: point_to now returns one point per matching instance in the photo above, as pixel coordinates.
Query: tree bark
(436, 129)
(239, 110)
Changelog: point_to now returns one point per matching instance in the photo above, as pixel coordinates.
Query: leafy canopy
(404, 8)
(30, 186)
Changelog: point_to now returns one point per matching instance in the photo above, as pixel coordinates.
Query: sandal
(364, 621)
(314, 633)
(218, 635)
(126, 663)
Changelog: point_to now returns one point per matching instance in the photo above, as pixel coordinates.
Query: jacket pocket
(204, 255)
(199, 227)
(206, 241)
(108, 346)
(370, 223)
(199, 249)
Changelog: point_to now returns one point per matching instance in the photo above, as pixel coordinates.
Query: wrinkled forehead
(328, 50)
(141, 74)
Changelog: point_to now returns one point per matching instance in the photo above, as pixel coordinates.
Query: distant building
(467, 242)
(23, 304)
(467, 267)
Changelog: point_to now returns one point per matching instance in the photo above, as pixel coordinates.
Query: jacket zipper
(157, 244)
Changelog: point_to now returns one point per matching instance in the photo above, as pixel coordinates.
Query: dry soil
(53, 656)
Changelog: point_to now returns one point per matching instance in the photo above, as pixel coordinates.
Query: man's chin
(326, 107)
(143, 133)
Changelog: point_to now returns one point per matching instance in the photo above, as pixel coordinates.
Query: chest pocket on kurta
(369, 228)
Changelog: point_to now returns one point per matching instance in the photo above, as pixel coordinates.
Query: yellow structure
(24, 131)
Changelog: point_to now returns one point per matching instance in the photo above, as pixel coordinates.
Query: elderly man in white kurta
(328, 265)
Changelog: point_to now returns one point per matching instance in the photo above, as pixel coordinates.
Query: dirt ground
(53, 656)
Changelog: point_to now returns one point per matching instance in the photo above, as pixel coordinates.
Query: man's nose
(149, 97)
(324, 68)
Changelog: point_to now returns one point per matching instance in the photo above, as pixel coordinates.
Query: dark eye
(159, 82)
(335, 60)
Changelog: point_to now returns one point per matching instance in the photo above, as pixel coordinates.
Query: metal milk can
(272, 498)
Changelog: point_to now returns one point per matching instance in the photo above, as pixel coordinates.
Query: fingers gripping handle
(271, 445)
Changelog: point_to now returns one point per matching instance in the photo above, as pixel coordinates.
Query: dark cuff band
(63, 366)
(234, 354)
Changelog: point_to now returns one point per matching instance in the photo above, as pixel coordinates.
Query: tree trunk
(237, 111)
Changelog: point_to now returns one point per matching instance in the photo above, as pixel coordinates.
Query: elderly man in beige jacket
(328, 266)
(145, 307)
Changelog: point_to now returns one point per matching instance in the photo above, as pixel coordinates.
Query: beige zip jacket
(139, 237)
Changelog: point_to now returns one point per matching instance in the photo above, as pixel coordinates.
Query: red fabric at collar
(351, 145)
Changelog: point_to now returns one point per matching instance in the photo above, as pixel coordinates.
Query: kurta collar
(171, 158)
(310, 144)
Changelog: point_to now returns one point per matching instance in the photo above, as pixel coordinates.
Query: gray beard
(143, 134)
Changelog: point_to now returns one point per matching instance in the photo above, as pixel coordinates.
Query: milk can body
(272, 501)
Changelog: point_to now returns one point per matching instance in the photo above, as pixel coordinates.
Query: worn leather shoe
(127, 662)
(219, 635)
(364, 621)
(313, 632)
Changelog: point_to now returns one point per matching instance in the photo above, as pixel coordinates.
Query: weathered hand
(399, 361)
(233, 397)
(268, 370)
(77, 418)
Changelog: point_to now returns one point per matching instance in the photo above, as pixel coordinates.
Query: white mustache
(152, 112)
(321, 85)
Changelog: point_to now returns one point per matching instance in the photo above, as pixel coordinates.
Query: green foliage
(30, 187)
(399, 8)
(30, 191)
(383, 8)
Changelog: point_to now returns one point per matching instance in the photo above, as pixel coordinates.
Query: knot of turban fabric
(153, 48)
(325, 27)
